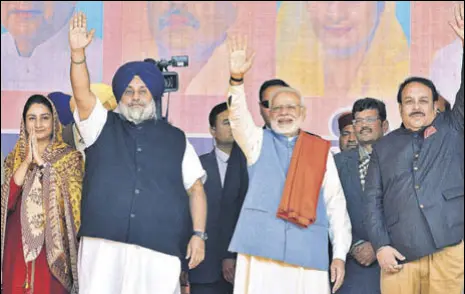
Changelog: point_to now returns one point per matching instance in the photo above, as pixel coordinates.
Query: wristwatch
(201, 235)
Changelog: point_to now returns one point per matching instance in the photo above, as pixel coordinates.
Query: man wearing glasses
(370, 124)
(294, 203)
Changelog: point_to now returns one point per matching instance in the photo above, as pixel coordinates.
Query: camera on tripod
(171, 77)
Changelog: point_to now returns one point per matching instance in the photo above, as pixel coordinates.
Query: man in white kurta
(258, 274)
(110, 267)
(143, 194)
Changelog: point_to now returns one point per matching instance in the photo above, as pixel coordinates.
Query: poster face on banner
(333, 52)
(35, 50)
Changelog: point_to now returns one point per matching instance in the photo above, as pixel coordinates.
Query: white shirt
(222, 160)
(48, 68)
(92, 127)
(250, 137)
(446, 70)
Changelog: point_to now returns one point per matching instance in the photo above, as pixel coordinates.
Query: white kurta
(256, 275)
(107, 267)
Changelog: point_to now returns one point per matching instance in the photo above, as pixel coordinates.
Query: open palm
(239, 64)
(458, 25)
(79, 38)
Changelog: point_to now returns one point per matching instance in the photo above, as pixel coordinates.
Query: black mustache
(366, 129)
(416, 113)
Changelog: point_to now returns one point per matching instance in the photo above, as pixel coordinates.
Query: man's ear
(385, 126)
(213, 132)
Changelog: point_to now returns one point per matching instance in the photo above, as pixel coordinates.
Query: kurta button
(417, 155)
(139, 149)
(133, 215)
(422, 206)
(415, 168)
(417, 187)
(137, 191)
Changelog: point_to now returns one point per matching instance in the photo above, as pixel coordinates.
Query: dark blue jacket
(359, 279)
(415, 187)
(224, 206)
(133, 189)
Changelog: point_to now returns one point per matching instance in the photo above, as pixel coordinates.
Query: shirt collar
(221, 155)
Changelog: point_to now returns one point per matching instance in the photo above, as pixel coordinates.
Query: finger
(71, 22)
(76, 20)
(231, 277)
(79, 23)
(398, 255)
(339, 280)
(230, 45)
(458, 11)
(233, 43)
(196, 259)
(252, 58)
(239, 42)
(84, 21)
(455, 28)
(245, 43)
(189, 251)
(394, 269)
(333, 274)
(398, 267)
(91, 34)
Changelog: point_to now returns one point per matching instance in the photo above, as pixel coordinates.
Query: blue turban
(61, 102)
(147, 71)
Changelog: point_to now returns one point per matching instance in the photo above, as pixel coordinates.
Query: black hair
(271, 83)
(423, 81)
(36, 99)
(370, 103)
(214, 113)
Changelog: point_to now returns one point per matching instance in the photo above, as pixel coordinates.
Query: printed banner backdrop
(334, 52)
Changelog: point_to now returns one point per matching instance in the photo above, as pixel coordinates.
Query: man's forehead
(366, 112)
(348, 128)
(286, 96)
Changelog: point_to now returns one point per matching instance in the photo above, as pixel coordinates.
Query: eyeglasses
(368, 120)
(265, 103)
(289, 108)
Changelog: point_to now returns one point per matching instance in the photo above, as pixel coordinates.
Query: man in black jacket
(415, 193)
(225, 188)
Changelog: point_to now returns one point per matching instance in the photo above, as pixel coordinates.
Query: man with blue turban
(143, 196)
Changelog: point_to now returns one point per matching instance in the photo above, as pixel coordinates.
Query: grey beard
(137, 116)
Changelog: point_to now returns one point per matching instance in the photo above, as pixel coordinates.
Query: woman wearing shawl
(40, 206)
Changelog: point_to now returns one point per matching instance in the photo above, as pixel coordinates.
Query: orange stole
(304, 179)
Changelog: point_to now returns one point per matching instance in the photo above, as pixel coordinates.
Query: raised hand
(458, 24)
(239, 64)
(79, 37)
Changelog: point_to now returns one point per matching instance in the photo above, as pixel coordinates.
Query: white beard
(137, 115)
(286, 130)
